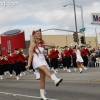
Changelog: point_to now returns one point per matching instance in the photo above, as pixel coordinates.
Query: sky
(29, 15)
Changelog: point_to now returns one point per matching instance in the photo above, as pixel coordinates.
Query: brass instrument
(21, 50)
(5, 57)
(58, 47)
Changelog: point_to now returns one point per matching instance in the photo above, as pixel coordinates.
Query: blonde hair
(34, 39)
(78, 47)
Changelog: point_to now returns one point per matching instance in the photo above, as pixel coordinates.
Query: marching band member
(74, 58)
(10, 63)
(68, 58)
(1, 67)
(63, 59)
(46, 57)
(51, 61)
(17, 65)
(54, 52)
(22, 62)
(6, 65)
(84, 52)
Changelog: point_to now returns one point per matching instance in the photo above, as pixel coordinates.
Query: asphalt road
(85, 86)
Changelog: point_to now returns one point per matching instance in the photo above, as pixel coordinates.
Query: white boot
(10, 75)
(21, 74)
(24, 73)
(30, 70)
(80, 70)
(55, 72)
(42, 94)
(68, 70)
(56, 80)
(52, 69)
(5, 73)
(64, 69)
(1, 77)
(85, 68)
(56, 69)
(17, 78)
(75, 69)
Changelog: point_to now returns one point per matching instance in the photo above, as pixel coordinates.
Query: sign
(95, 18)
(82, 30)
(88, 45)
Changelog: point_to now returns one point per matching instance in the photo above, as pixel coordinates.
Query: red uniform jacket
(84, 52)
(22, 58)
(67, 52)
(73, 54)
(70, 50)
(5, 61)
(50, 56)
(10, 59)
(16, 57)
(54, 53)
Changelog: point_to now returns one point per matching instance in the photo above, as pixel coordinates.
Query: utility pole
(75, 21)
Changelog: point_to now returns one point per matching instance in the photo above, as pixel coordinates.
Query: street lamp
(81, 18)
(96, 36)
(75, 19)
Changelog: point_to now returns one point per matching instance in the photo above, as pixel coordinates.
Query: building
(67, 40)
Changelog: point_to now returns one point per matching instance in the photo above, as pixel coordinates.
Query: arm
(48, 44)
(31, 48)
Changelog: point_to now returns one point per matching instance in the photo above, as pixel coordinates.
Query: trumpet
(21, 50)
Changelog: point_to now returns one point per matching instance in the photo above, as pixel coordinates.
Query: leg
(53, 77)
(10, 69)
(45, 70)
(79, 66)
(74, 64)
(42, 85)
(55, 65)
(42, 79)
(1, 71)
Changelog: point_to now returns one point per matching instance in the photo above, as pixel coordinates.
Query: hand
(40, 45)
(27, 66)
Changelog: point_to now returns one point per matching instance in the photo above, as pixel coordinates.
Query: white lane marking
(23, 95)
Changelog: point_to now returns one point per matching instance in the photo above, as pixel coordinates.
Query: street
(76, 86)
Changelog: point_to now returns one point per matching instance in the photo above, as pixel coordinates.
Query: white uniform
(79, 57)
(39, 58)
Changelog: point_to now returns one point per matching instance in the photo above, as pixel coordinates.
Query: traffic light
(82, 40)
(75, 36)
